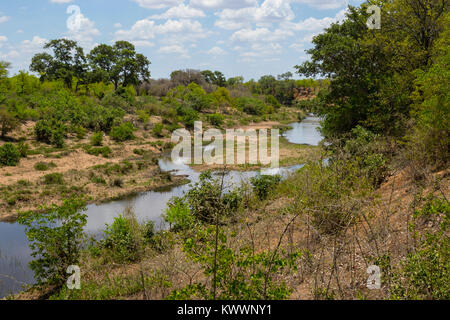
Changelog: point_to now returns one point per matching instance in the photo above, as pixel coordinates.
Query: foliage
(97, 139)
(264, 184)
(216, 119)
(54, 178)
(43, 166)
(55, 239)
(207, 198)
(120, 240)
(240, 275)
(123, 132)
(425, 272)
(9, 155)
(251, 106)
(50, 131)
(8, 122)
(158, 129)
(178, 215)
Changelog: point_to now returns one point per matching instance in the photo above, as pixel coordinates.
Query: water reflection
(305, 132)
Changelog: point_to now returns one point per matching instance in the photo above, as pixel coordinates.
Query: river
(15, 254)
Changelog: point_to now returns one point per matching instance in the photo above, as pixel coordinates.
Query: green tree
(68, 61)
(55, 239)
(8, 122)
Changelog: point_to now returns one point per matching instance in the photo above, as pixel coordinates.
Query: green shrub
(54, 178)
(158, 129)
(123, 132)
(143, 116)
(425, 273)
(104, 151)
(120, 240)
(9, 155)
(23, 148)
(43, 166)
(51, 132)
(263, 185)
(251, 106)
(55, 239)
(97, 139)
(178, 215)
(216, 119)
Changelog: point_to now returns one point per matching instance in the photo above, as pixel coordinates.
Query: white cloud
(175, 49)
(142, 29)
(33, 45)
(142, 43)
(158, 4)
(61, 1)
(117, 25)
(216, 51)
(260, 35)
(270, 11)
(181, 12)
(174, 31)
(223, 4)
(323, 4)
(4, 19)
(313, 24)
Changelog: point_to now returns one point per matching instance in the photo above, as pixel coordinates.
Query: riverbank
(49, 175)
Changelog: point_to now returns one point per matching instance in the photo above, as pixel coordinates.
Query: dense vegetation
(385, 109)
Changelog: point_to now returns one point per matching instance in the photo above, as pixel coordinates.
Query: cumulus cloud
(33, 45)
(324, 4)
(223, 4)
(216, 51)
(314, 24)
(158, 4)
(175, 49)
(180, 12)
(179, 30)
(270, 11)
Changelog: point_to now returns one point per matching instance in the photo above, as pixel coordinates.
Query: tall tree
(68, 61)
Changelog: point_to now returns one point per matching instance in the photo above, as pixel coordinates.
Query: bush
(158, 129)
(120, 240)
(263, 185)
(216, 119)
(23, 149)
(251, 106)
(51, 132)
(425, 273)
(54, 178)
(7, 122)
(123, 132)
(235, 274)
(97, 139)
(9, 155)
(178, 215)
(55, 239)
(104, 151)
(43, 166)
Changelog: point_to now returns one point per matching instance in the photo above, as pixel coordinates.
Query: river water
(15, 253)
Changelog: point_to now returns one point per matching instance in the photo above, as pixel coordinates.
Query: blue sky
(249, 38)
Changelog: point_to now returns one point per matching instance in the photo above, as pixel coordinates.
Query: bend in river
(14, 251)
